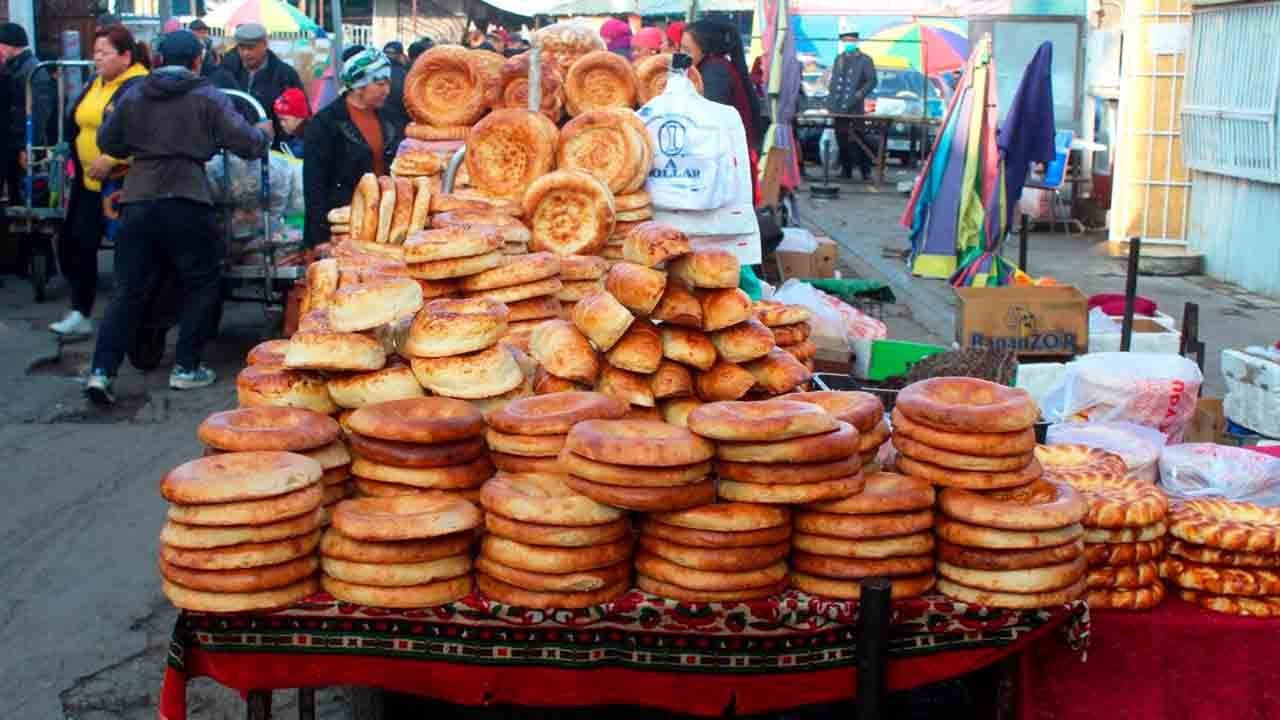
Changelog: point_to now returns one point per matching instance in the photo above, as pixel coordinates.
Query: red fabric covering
(708, 695)
(1272, 450)
(1176, 662)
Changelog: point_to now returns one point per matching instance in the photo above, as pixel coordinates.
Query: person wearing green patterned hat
(349, 137)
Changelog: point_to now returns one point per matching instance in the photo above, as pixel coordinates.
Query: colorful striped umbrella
(956, 212)
(276, 16)
(932, 47)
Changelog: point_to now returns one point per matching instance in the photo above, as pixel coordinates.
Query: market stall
(532, 443)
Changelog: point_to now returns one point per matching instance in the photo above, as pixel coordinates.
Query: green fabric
(750, 284)
(850, 290)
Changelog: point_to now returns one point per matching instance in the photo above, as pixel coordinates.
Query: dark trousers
(78, 247)
(851, 153)
(169, 235)
(13, 178)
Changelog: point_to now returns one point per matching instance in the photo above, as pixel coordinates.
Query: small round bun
(744, 342)
(637, 287)
(359, 389)
(334, 351)
(653, 243)
(602, 319)
(455, 327)
(565, 352)
(709, 267)
(670, 380)
(639, 350)
(778, 371)
(724, 308)
(275, 386)
(627, 386)
(724, 381)
(691, 347)
(679, 306)
(582, 267)
(482, 374)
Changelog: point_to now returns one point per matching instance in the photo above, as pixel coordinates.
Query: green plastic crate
(891, 358)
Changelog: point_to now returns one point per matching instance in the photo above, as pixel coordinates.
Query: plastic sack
(798, 240)
(829, 152)
(1137, 445)
(700, 152)
(1148, 389)
(1208, 470)
(827, 322)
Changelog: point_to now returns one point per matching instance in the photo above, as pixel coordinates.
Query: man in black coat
(349, 137)
(170, 124)
(853, 77)
(399, 71)
(20, 71)
(258, 71)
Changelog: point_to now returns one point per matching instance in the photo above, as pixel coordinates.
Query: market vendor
(347, 139)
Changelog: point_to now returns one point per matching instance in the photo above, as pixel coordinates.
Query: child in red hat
(294, 111)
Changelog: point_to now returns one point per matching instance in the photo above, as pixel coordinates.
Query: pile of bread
(1008, 537)
(1224, 555)
(1123, 530)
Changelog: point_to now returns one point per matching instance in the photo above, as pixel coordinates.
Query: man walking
(259, 71)
(18, 72)
(171, 124)
(853, 77)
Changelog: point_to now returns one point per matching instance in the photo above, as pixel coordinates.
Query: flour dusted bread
(602, 319)
(600, 79)
(447, 85)
(455, 327)
(569, 212)
(565, 352)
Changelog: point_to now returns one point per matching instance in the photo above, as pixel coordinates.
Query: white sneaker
(73, 325)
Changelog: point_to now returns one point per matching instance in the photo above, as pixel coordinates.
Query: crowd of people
(146, 123)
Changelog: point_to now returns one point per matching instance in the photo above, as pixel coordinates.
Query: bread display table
(640, 650)
(1176, 661)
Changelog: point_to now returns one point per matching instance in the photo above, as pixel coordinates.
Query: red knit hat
(674, 31)
(292, 103)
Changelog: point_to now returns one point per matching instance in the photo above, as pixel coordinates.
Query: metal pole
(1022, 244)
(872, 650)
(335, 13)
(1130, 293)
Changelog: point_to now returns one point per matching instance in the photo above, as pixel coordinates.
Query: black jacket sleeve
(230, 129)
(317, 174)
(44, 107)
(868, 81)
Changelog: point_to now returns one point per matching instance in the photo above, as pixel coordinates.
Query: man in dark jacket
(171, 124)
(19, 71)
(349, 137)
(395, 109)
(853, 77)
(258, 71)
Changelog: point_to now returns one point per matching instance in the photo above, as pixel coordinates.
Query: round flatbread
(233, 477)
(638, 443)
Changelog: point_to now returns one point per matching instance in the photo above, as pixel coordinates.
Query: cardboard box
(1035, 321)
(825, 258)
(794, 264)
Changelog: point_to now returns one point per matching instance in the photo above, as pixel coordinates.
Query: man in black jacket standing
(19, 71)
(170, 124)
(853, 77)
(258, 71)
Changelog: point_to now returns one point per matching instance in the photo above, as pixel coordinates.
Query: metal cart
(38, 221)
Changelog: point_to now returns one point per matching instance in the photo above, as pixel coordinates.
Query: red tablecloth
(699, 659)
(1176, 662)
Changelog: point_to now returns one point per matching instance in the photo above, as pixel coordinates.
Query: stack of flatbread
(881, 532)
(500, 219)
(455, 349)
(548, 546)
(400, 552)
(527, 284)
(613, 145)
(643, 465)
(1225, 555)
(864, 411)
(780, 451)
(285, 429)
(1123, 568)
(242, 531)
(790, 327)
(724, 552)
(416, 446)
(528, 434)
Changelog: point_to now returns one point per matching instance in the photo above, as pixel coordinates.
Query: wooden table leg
(306, 704)
(883, 157)
(259, 705)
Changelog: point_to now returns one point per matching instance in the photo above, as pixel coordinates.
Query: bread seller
(171, 124)
(347, 139)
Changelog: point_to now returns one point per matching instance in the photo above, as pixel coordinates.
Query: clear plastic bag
(827, 322)
(1138, 445)
(1207, 470)
(1148, 389)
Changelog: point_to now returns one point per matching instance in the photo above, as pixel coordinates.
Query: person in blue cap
(170, 124)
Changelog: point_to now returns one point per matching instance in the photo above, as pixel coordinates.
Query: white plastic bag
(1137, 445)
(829, 152)
(1148, 389)
(696, 163)
(1208, 470)
(827, 322)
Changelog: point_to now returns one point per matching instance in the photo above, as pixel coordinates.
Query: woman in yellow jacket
(119, 61)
